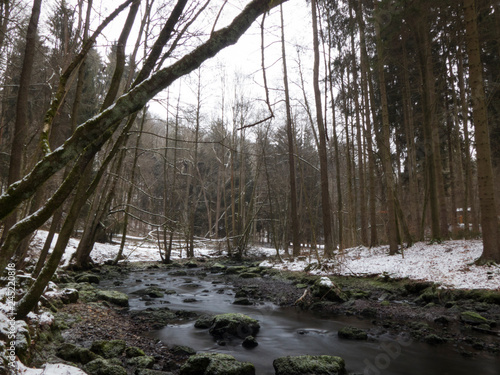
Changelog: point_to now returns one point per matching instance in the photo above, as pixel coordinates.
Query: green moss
(108, 349)
(472, 317)
(234, 324)
(216, 364)
(113, 296)
(308, 364)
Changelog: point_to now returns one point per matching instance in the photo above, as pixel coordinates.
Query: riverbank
(464, 320)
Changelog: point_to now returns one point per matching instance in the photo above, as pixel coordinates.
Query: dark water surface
(290, 331)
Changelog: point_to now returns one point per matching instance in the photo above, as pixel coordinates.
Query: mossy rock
(182, 350)
(134, 351)
(113, 296)
(152, 291)
(242, 301)
(23, 340)
(108, 349)
(146, 371)
(352, 333)
(204, 321)
(301, 286)
(191, 264)
(69, 296)
(102, 366)
(232, 270)
(239, 325)
(77, 354)
(88, 278)
(144, 361)
(158, 317)
(473, 318)
(249, 342)
(217, 267)
(309, 365)
(434, 339)
(324, 288)
(216, 364)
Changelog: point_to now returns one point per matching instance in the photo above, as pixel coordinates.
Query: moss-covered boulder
(239, 325)
(232, 270)
(217, 267)
(152, 291)
(108, 349)
(102, 366)
(76, 354)
(309, 365)
(352, 333)
(204, 321)
(113, 296)
(473, 318)
(324, 288)
(69, 295)
(249, 342)
(216, 364)
(143, 361)
(134, 351)
(182, 350)
(157, 317)
(23, 340)
(88, 278)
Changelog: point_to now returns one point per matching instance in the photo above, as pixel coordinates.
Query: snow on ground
(50, 369)
(449, 264)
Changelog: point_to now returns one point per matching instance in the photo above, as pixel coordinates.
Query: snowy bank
(449, 264)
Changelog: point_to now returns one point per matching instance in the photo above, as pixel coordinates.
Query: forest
(383, 129)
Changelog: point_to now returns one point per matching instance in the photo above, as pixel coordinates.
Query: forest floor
(390, 300)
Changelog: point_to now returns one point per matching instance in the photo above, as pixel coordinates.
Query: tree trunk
(384, 147)
(291, 153)
(22, 110)
(489, 218)
(323, 156)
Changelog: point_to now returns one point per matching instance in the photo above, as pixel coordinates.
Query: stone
(473, 318)
(145, 371)
(249, 342)
(239, 325)
(216, 364)
(191, 264)
(108, 349)
(232, 270)
(144, 361)
(113, 296)
(434, 339)
(324, 288)
(179, 273)
(69, 296)
(159, 316)
(88, 278)
(134, 351)
(75, 353)
(182, 350)
(102, 366)
(242, 301)
(352, 333)
(309, 365)
(204, 321)
(152, 291)
(217, 267)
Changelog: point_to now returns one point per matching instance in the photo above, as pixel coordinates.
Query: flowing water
(291, 331)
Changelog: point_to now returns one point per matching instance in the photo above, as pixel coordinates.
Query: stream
(290, 331)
